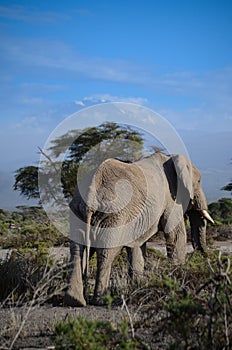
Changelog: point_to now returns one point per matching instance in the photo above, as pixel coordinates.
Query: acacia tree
(89, 147)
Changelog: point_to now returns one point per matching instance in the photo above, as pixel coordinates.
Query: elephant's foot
(74, 299)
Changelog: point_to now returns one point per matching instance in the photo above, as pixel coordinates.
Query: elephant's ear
(184, 191)
(183, 168)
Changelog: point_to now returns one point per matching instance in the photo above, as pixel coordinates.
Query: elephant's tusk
(206, 215)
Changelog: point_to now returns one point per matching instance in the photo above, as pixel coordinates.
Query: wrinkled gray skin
(163, 189)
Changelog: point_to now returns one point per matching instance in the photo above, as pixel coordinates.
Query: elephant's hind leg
(74, 295)
(105, 258)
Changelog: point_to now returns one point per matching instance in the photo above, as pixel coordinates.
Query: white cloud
(79, 103)
(103, 98)
(189, 99)
(21, 13)
(44, 57)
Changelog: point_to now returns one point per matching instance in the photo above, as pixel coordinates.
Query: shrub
(190, 306)
(27, 273)
(81, 333)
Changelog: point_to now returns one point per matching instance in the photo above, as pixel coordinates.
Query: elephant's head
(190, 193)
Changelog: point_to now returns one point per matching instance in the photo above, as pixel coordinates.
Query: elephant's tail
(88, 243)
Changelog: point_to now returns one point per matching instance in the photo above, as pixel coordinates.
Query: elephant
(125, 204)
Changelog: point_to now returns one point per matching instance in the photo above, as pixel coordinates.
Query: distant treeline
(27, 226)
(221, 211)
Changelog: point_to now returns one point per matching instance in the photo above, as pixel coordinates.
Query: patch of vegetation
(27, 225)
(81, 333)
(221, 211)
(28, 272)
(181, 307)
(190, 306)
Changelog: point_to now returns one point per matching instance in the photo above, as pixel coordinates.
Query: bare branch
(124, 305)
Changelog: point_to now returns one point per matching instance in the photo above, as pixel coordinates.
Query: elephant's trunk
(198, 230)
(198, 217)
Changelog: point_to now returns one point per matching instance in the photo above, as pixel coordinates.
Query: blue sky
(172, 56)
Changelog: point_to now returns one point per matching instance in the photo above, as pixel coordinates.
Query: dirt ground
(38, 322)
(38, 327)
(62, 252)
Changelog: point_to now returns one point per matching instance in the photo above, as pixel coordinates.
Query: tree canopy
(26, 181)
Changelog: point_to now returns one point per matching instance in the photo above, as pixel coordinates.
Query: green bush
(81, 333)
(3, 228)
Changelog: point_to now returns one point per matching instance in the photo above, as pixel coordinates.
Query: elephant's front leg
(75, 293)
(176, 241)
(105, 257)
